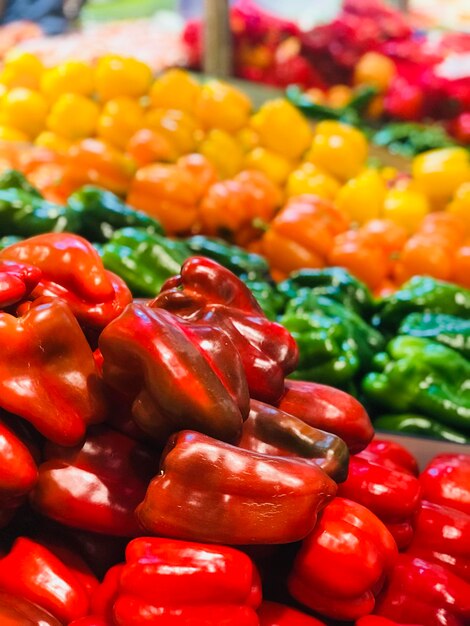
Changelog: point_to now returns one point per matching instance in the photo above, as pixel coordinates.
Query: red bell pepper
(424, 593)
(59, 391)
(269, 430)
(275, 614)
(102, 601)
(446, 480)
(442, 535)
(342, 564)
(329, 409)
(206, 292)
(34, 573)
(232, 495)
(91, 620)
(179, 375)
(16, 611)
(390, 454)
(96, 485)
(377, 620)
(73, 271)
(176, 582)
(17, 280)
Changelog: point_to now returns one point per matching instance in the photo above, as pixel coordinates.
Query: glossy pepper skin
(60, 393)
(275, 614)
(34, 573)
(72, 271)
(176, 374)
(377, 620)
(419, 425)
(419, 375)
(269, 430)
(17, 611)
(145, 260)
(334, 342)
(101, 213)
(332, 282)
(442, 536)
(243, 497)
(348, 539)
(424, 593)
(390, 454)
(450, 330)
(329, 409)
(446, 480)
(178, 582)
(112, 471)
(426, 295)
(205, 291)
(17, 280)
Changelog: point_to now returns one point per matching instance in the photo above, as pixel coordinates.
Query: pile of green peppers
(406, 356)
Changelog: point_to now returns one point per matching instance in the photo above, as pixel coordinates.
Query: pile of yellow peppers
(116, 122)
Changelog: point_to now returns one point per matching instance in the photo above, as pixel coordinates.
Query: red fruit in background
(404, 100)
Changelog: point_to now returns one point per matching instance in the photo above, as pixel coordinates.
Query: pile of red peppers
(157, 468)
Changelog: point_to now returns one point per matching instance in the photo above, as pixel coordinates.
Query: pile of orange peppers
(198, 158)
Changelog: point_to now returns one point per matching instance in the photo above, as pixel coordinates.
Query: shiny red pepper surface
(17, 280)
(208, 293)
(446, 480)
(16, 611)
(275, 614)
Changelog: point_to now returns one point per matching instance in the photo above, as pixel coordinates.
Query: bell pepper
(419, 425)
(176, 373)
(72, 270)
(60, 392)
(102, 601)
(269, 430)
(102, 213)
(308, 178)
(302, 233)
(14, 179)
(446, 480)
(205, 292)
(275, 614)
(422, 294)
(243, 497)
(15, 611)
(17, 280)
(420, 375)
(167, 581)
(329, 409)
(409, 139)
(224, 151)
(92, 620)
(143, 259)
(31, 571)
(390, 454)
(334, 342)
(113, 471)
(440, 172)
(374, 620)
(449, 330)
(334, 283)
(351, 540)
(424, 593)
(361, 199)
(266, 293)
(442, 536)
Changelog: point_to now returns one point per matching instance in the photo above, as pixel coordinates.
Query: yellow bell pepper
(73, 116)
(120, 76)
(223, 151)
(7, 133)
(220, 105)
(282, 128)
(460, 204)
(25, 110)
(406, 206)
(276, 167)
(339, 149)
(178, 127)
(361, 199)
(67, 77)
(21, 69)
(309, 178)
(175, 89)
(247, 138)
(120, 119)
(439, 173)
(53, 141)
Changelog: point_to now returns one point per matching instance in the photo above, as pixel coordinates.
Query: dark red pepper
(275, 614)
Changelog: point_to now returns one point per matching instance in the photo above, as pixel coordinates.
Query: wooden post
(217, 39)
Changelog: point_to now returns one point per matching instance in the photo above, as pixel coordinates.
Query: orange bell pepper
(461, 273)
(147, 146)
(302, 234)
(425, 254)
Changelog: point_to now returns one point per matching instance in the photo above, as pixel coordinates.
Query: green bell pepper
(101, 213)
(335, 283)
(419, 425)
(451, 331)
(270, 300)
(144, 260)
(13, 179)
(335, 344)
(422, 294)
(419, 375)
(25, 214)
(409, 139)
